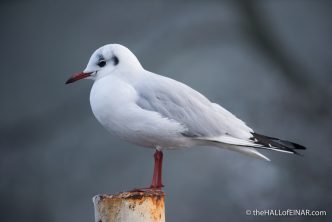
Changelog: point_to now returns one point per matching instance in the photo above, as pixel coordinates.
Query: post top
(136, 194)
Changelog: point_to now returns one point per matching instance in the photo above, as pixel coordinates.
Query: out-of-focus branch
(264, 39)
(258, 30)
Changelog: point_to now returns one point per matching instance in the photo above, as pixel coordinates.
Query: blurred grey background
(268, 62)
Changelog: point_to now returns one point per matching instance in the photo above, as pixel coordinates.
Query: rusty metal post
(138, 206)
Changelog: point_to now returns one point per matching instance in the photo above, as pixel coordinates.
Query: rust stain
(158, 203)
(132, 207)
(135, 197)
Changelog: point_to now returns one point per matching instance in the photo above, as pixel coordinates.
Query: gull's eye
(101, 63)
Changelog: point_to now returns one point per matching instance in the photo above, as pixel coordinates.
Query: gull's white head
(105, 61)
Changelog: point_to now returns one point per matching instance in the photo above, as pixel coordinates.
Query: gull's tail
(257, 141)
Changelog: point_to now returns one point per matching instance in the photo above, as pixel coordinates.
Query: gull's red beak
(78, 76)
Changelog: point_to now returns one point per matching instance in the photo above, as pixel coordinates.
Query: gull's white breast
(113, 102)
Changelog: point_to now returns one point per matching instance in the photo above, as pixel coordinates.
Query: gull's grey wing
(177, 101)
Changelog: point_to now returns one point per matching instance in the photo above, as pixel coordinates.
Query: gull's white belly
(113, 104)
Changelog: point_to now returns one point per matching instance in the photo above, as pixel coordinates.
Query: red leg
(157, 172)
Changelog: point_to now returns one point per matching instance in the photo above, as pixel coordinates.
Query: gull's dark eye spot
(101, 63)
(115, 60)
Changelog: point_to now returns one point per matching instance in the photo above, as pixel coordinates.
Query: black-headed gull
(154, 111)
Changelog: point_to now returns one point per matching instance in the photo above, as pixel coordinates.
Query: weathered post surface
(138, 206)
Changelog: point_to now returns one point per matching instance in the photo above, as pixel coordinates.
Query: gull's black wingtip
(298, 146)
(276, 144)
